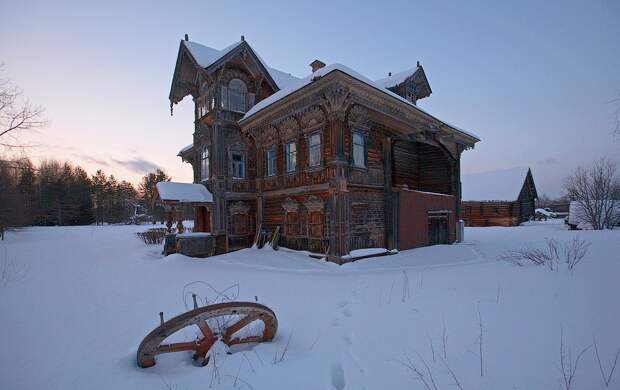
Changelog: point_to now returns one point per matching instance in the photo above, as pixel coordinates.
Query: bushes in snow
(553, 255)
(152, 236)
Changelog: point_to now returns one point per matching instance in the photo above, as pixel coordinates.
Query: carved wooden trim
(290, 205)
(239, 207)
(358, 118)
(336, 98)
(289, 128)
(314, 203)
(312, 119)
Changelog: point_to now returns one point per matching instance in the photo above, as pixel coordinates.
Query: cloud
(92, 160)
(137, 165)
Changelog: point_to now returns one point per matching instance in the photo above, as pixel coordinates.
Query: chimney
(242, 38)
(316, 65)
(186, 37)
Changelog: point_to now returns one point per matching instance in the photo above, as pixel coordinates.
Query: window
(359, 150)
(204, 163)
(238, 165)
(314, 150)
(235, 96)
(271, 161)
(290, 151)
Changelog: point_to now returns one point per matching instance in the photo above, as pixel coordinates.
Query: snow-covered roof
(183, 192)
(185, 149)
(206, 56)
(395, 79)
(501, 185)
(300, 83)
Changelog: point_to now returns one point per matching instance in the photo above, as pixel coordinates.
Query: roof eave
(255, 117)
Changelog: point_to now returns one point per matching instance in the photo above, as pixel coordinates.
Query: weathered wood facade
(327, 161)
(502, 212)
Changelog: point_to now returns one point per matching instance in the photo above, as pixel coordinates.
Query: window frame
(319, 146)
(288, 154)
(246, 98)
(205, 163)
(364, 146)
(268, 151)
(243, 164)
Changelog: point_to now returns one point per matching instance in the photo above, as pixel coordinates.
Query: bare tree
(594, 189)
(17, 114)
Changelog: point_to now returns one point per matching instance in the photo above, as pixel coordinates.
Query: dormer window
(235, 96)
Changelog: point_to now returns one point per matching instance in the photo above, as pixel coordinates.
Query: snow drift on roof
(185, 149)
(183, 192)
(501, 185)
(300, 83)
(395, 79)
(206, 56)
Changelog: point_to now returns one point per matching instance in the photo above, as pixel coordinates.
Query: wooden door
(437, 231)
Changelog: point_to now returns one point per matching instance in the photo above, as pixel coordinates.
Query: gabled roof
(500, 185)
(206, 56)
(299, 84)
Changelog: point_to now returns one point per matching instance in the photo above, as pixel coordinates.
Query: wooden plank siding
(501, 213)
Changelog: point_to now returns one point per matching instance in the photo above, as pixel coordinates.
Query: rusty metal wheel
(231, 322)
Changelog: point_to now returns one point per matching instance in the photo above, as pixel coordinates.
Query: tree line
(59, 193)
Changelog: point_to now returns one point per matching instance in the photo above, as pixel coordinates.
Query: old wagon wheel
(220, 321)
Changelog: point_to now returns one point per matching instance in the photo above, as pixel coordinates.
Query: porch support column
(391, 219)
(338, 215)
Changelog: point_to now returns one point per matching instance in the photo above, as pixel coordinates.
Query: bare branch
(606, 378)
(567, 364)
(16, 114)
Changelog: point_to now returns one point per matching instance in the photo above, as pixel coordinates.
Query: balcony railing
(230, 100)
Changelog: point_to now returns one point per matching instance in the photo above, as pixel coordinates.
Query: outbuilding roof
(499, 185)
(171, 192)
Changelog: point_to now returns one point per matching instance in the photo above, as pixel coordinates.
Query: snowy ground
(75, 303)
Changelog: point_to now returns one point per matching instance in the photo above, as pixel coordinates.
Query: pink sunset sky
(533, 80)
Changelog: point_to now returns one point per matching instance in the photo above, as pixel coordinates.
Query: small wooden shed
(498, 198)
(174, 194)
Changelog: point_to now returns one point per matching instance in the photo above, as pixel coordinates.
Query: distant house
(498, 198)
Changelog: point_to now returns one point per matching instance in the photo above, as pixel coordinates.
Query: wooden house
(338, 162)
(498, 198)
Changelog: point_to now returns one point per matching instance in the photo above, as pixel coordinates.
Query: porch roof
(171, 192)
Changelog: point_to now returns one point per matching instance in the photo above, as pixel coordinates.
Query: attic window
(235, 96)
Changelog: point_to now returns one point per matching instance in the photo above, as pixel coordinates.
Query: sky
(532, 79)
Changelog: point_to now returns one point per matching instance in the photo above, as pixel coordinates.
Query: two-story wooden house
(338, 161)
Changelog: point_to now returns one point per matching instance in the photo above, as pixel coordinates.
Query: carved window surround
(239, 207)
